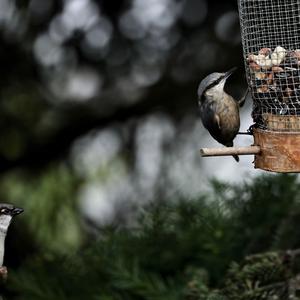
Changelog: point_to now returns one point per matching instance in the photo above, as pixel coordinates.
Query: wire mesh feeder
(271, 42)
(270, 32)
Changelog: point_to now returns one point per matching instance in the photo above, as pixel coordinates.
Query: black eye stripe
(213, 84)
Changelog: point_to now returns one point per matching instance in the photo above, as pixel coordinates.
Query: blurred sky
(110, 87)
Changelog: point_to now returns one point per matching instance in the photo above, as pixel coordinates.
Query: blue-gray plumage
(219, 112)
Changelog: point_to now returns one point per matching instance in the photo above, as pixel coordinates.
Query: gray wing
(210, 119)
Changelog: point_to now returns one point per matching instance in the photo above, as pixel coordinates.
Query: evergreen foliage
(227, 244)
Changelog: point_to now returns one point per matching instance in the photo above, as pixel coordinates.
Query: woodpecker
(219, 112)
(7, 212)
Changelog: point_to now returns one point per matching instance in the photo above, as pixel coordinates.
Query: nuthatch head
(219, 112)
(214, 82)
(7, 212)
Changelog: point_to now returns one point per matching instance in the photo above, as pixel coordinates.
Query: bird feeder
(270, 32)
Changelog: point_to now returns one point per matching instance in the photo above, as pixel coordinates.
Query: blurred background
(105, 91)
(99, 118)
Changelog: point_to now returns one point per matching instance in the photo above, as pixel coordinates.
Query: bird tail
(236, 157)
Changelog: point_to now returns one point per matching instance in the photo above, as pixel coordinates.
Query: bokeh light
(118, 89)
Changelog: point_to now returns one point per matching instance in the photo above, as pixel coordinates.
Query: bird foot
(249, 130)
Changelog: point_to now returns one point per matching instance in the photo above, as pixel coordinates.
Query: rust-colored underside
(280, 150)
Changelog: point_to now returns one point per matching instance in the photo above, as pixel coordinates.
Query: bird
(219, 111)
(7, 212)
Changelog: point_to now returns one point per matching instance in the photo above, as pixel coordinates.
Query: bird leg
(249, 130)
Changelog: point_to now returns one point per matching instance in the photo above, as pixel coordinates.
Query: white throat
(216, 91)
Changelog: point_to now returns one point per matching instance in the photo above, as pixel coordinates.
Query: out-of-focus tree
(99, 140)
(78, 74)
(198, 249)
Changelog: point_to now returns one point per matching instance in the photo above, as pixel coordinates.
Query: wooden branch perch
(230, 151)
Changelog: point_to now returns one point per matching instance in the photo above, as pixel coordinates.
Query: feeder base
(280, 151)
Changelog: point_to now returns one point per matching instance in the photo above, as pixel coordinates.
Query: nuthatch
(219, 112)
(7, 212)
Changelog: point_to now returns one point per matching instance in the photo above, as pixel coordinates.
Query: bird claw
(250, 129)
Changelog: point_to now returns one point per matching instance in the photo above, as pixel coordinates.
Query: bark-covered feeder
(270, 32)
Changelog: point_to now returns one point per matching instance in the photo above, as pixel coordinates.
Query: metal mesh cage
(271, 43)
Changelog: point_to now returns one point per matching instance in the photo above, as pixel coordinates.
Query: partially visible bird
(219, 112)
(7, 212)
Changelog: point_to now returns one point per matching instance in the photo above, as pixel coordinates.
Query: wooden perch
(230, 151)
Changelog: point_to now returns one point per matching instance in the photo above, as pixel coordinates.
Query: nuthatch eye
(219, 112)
